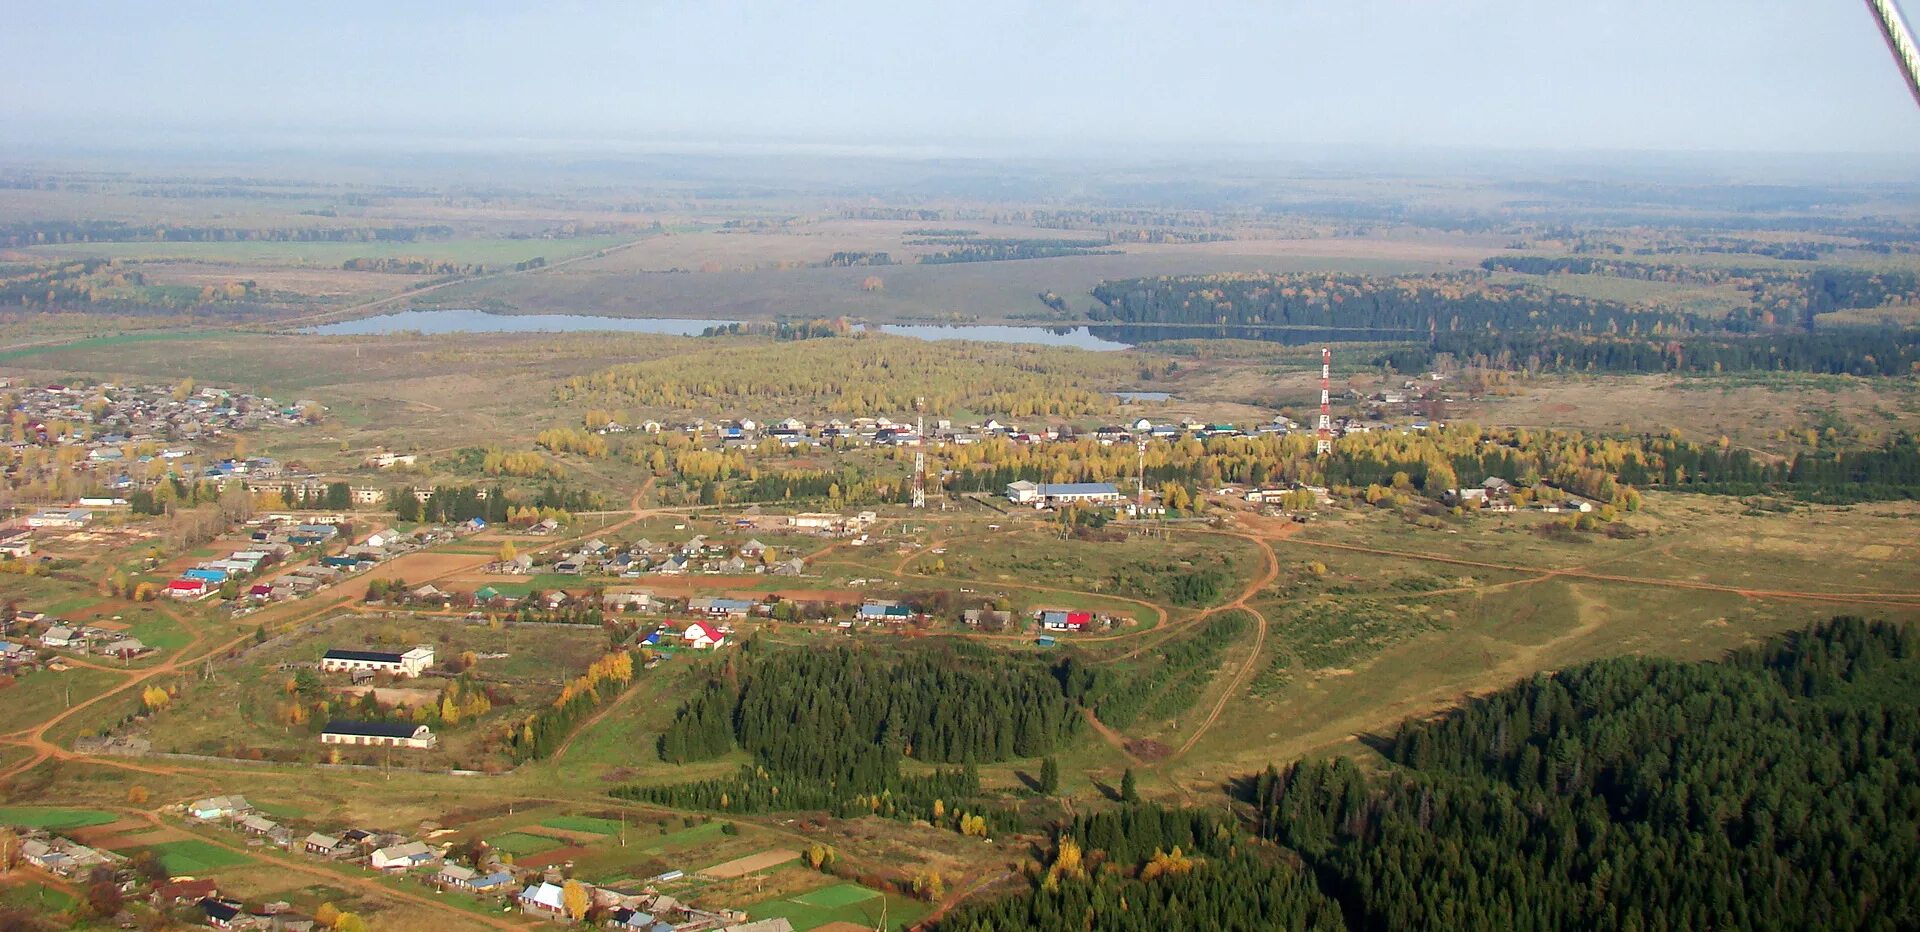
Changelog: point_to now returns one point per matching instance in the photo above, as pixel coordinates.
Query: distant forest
(973, 249)
(1862, 351)
(44, 232)
(1774, 789)
(1440, 303)
(1525, 326)
(1785, 295)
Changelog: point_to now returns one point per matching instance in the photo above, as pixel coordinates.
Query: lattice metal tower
(1324, 445)
(919, 458)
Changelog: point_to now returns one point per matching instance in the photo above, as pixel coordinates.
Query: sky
(1188, 77)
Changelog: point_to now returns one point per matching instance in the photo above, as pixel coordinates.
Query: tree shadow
(1108, 790)
(1028, 780)
(1379, 743)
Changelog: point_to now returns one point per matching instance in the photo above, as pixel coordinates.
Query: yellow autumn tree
(574, 897)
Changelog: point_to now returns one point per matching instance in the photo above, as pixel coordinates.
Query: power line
(1906, 54)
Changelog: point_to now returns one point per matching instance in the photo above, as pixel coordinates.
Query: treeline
(1850, 351)
(455, 503)
(45, 232)
(848, 259)
(1144, 868)
(411, 265)
(817, 328)
(103, 283)
(543, 732)
(1772, 790)
(756, 790)
(974, 249)
(1424, 303)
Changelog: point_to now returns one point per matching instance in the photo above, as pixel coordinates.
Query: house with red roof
(187, 588)
(701, 636)
(1062, 620)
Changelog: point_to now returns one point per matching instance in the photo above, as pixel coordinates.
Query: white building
(1041, 495)
(410, 664)
(379, 734)
(78, 517)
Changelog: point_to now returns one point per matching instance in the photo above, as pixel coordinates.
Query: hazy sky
(1043, 76)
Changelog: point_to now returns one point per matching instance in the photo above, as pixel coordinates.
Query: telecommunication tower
(1140, 478)
(919, 457)
(1324, 445)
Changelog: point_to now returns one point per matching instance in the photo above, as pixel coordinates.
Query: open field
(841, 903)
(1746, 408)
(739, 867)
(490, 252)
(53, 819)
(191, 858)
(245, 712)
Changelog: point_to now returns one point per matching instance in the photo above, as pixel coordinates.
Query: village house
(623, 600)
(1065, 620)
(702, 636)
(380, 734)
(461, 877)
(223, 914)
(543, 899)
(172, 893)
(720, 608)
(215, 808)
(637, 921)
(402, 857)
(993, 619)
(15, 543)
(187, 588)
(410, 664)
(326, 846)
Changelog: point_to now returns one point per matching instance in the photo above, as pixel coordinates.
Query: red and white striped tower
(1325, 444)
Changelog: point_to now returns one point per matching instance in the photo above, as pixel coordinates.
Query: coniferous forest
(1778, 788)
(829, 728)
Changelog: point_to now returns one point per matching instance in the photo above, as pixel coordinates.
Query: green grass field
(35, 898)
(161, 632)
(842, 902)
(583, 824)
(107, 342)
(523, 844)
(684, 837)
(191, 857)
(53, 819)
(836, 896)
